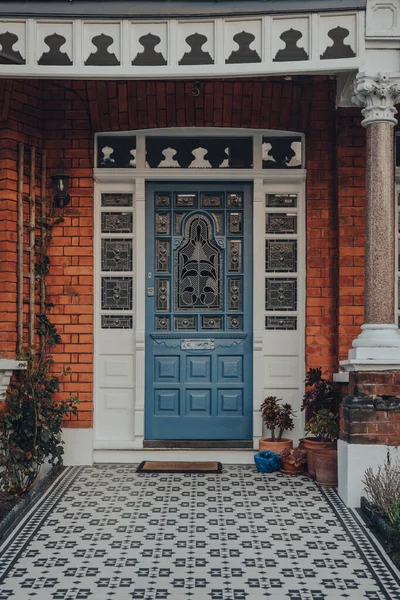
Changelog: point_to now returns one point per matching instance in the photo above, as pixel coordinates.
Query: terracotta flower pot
(312, 444)
(288, 467)
(326, 467)
(277, 447)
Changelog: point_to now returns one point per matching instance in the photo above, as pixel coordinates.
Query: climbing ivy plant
(31, 420)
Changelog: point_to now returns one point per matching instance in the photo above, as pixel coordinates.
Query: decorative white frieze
(378, 94)
(175, 47)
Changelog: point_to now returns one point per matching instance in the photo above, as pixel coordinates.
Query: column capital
(378, 94)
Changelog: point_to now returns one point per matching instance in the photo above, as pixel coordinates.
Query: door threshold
(199, 444)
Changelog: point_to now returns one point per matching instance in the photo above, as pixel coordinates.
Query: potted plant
(322, 449)
(293, 460)
(321, 402)
(277, 418)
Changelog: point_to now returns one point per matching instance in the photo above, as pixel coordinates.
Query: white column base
(377, 348)
(7, 366)
(78, 448)
(353, 460)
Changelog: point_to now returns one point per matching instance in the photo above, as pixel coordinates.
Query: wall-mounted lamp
(60, 185)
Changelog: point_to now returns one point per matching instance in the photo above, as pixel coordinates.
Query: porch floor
(106, 532)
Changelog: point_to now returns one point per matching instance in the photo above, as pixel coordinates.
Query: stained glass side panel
(116, 322)
(116, 293)
(116, 254)
(116, 222)
(281, 200)
(280, 256)
(281, 294)
(280, 223)
(117, 200)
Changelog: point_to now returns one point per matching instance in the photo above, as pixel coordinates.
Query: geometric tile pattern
(107, 532)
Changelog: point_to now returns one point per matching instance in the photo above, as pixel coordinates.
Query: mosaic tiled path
(105, 532)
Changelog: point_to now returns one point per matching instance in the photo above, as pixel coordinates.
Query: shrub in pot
(293, 460)
(321, 395)
(277, 418)
(322, 448)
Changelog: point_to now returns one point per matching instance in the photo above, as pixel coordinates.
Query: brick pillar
(370, 413)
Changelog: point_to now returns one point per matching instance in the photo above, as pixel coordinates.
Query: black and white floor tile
(108, 533)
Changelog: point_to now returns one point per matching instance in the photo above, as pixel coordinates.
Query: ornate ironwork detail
(162, 294)
(187, 200)
(163, 323)
(280, 223)
(234, 256)
(198, 267)
(116, 293)
(280, 255)
(219, 222)
(281, 294)
(163, 200)
(274, 200)
(234, 294)
(163, 223)
(116, 322)
(112, 222)
(211, 200)
(235, 200)
(288, 323)
(235, 322)
(162, 256)
(117, 200)
(212, 322)
(184, 323)
(234, 222)
(178, 218)
(116, 255)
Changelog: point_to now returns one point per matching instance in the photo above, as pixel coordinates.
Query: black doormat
(150, 466)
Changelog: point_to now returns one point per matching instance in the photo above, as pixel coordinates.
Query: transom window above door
(274, 150)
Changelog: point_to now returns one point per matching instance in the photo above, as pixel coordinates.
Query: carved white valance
(378, 94)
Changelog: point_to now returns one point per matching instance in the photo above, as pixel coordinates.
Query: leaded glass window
(116, 257)
(198, 267)
(198, 260)
(281, 261)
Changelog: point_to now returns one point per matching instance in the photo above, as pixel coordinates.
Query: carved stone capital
(378, 94)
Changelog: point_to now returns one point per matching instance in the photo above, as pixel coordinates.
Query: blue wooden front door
(198, 312)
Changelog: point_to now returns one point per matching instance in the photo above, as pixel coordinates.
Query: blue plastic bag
(267, 461)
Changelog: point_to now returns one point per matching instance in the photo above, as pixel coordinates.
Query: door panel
(198, 312)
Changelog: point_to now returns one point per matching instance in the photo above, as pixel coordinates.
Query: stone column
(378, 345)
(369, 424)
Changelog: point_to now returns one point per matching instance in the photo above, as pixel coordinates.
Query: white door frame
(263, 181)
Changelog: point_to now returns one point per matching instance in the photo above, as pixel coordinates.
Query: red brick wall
(20, 121)
(351, 208)
(74, 111)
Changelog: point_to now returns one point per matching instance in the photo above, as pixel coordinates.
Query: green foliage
(30, 428)
(321, 393)
(276, 416)
(324, 426)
